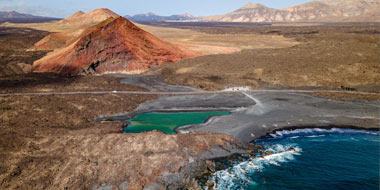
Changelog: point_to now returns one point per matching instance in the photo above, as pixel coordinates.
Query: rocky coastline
(253, 116)
(197, 176)
(196, 172)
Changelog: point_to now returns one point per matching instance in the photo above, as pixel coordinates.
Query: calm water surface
(167, 122)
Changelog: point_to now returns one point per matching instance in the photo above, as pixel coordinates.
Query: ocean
(324, 160)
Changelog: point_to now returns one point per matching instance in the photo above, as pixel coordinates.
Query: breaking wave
(239, 174)
(317, 132)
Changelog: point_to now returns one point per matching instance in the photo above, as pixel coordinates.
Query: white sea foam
(314, 136)
(315, 132)
(239, 173)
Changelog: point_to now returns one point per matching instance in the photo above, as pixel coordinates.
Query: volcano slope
(114, 45)
(66, 31)
(78, 20)
(71, 28)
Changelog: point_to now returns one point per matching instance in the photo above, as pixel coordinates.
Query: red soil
(51, 42)
(115, 45)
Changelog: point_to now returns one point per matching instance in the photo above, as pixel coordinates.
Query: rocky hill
(14, 16)
(75, 25)
(114, 45)
(85, 19)
(315, 11)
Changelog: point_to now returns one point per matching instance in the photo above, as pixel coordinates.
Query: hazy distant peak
(186, 15)
(104, 11)
(151, 17)
(75, 15)
(13, 13)
(150, 14)
(78, 13)
(14, 16)
(252, 5)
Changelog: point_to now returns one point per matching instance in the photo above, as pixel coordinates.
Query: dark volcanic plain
(14, 42)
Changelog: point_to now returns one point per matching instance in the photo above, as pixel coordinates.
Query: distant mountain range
(314, 11)
(14, 16)
(151, 17)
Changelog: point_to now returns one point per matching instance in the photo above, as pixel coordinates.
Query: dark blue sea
(323, 160)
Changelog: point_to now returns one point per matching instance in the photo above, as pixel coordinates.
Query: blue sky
(64, 8)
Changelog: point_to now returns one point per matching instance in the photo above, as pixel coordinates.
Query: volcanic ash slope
(114, 45)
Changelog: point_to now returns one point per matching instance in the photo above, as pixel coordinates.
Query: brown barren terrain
(327, 56)
(208, 43)
(52, 142)
(14, 42)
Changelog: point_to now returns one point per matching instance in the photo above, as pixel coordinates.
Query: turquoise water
(324, 160)
(167, 122)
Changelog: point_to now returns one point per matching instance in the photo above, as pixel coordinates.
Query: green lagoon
(167, 122)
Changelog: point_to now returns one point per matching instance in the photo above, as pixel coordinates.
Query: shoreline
(256, 119)
(330, 127)
(254, 150)
(267, 135)
(269, 113)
